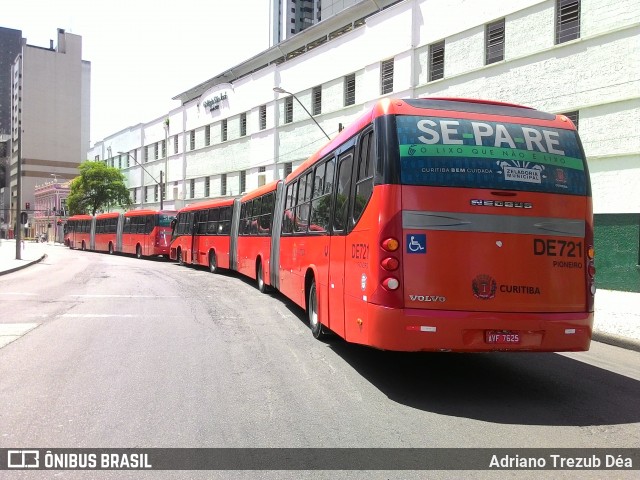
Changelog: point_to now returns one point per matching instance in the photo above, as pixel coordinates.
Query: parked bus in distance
(201, 234)
(442, 225)
(144, 233)
(77, 231)
(147, 233)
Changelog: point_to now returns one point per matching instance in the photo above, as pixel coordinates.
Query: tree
(97, 188)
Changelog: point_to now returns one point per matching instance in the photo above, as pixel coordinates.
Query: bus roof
(108, 215)
(219, 202)
(135, 213)
(80, 217)
(269, 187)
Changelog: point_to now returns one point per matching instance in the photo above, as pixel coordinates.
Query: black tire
(110, 248)
(84, 246)
(317, 329)
(213, 263)
(138, 251)
(179, 257)
(262, 286)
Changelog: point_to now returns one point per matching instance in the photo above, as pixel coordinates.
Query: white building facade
(233, 132)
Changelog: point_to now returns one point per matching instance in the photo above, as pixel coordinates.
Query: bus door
(191, 219)
(338, 245)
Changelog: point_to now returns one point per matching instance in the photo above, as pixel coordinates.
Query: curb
(616, 341)
(27, 264)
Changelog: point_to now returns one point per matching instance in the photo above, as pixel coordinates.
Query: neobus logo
(500, 203)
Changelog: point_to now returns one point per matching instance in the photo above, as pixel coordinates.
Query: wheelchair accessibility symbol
(417, 243)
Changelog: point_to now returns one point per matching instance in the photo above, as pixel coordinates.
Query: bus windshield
(449, 152)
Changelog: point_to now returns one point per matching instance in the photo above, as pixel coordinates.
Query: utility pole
(18, 231)
(161, 191)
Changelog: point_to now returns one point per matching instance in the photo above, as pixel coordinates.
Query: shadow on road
(510, 388)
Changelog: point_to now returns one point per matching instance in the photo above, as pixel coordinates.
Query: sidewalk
(617, 316)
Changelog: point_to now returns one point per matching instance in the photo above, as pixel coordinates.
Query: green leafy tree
(97, 188)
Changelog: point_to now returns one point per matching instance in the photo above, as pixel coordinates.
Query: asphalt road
(120, 352)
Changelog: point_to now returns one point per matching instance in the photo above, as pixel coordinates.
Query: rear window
(165, 220)
(453, 152)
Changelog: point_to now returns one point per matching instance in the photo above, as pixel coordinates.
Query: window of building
(288, 168)
(145, 156)
(223, 130)
(192, 140)
(146, 194)
(567, 20)
(155, 150)
(207, 186)
(175, 144)
(573, 116)
(262, 169)
(223, 184)
(243, 124)
(263, 117)
(192, 188)
(207, 135)
(494, 42)
(317, 100)
(386, 76)
(243, 181)
(350, 90)
(155, 193)
(436, 61)
(164, 149)
(288, 109)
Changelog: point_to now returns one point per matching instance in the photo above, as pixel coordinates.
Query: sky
(145, 52)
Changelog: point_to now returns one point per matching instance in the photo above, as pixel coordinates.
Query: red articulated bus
(201, 234)
(144, 233)
(147, 233)
(77, 231)
(427, 225)
(444, 225)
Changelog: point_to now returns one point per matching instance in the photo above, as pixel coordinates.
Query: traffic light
(24, 218)
(28, 206)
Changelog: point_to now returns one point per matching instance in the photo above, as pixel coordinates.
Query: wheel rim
(180, 257)
(213, 266)
(139, 252)
(313, 308)
(260, 280)
(110, 249)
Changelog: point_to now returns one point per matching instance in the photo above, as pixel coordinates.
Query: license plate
(501, 337)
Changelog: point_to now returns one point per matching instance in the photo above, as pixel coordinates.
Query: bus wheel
(84, 246)
(317, 329)
(179, 257)
(110, 248)
(138, 251)
(213, 262)
(262, 287)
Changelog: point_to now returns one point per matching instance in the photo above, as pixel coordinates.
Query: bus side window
(364, 180)
(149, 223)
(127, 225)
(287, 220)
(202, 218)
(212, 221)
(321, 201)
(345, 162)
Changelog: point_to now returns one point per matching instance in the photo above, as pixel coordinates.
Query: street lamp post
(159, 183)
(55, 208)
(282, 90)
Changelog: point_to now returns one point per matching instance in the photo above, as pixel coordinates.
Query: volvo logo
(427, 298)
